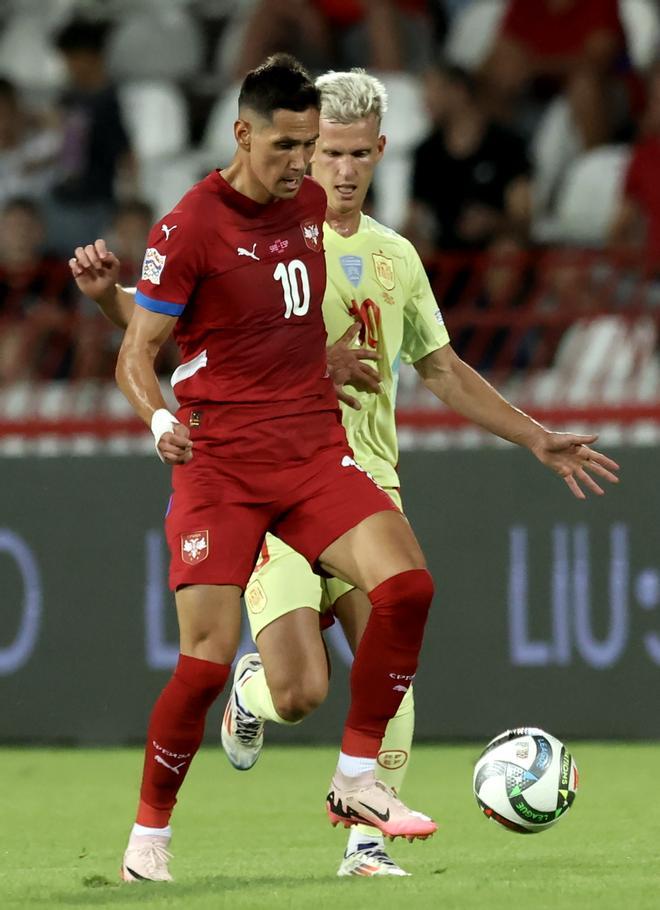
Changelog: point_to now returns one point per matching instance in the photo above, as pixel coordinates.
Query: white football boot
(369, 858)
(242, 732)
(146, 859)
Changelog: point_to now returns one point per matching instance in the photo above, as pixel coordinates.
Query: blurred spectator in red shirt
(385, 35)
(576, 46)
(636, 225)
(37, 299)
(27, 148)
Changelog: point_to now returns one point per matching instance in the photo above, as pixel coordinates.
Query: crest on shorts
(311, 234)
(153, 265)
(392, 759)
(255, 597)
(194, 547)
(384, 269)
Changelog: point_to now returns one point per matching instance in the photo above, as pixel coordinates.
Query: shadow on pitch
(97, 890)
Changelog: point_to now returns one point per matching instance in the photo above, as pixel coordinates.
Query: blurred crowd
(513, 125)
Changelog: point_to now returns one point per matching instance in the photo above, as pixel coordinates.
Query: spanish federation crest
(194, 547)
(311, 234)
(352, 266)
(153, 265)
(384, 269)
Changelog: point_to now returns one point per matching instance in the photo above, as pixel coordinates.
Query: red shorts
(220, 512)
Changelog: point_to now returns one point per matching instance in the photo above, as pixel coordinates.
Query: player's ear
(380, 147)
(243, 134)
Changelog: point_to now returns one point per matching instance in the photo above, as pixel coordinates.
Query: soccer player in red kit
(237, 271)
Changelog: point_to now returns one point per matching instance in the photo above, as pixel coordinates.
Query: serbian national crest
(194, 547)
(312, 234)
(384, 269)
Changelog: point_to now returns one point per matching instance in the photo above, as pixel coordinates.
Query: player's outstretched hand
(347, 366)
(569, 456)
(176, 447)
(95, 269)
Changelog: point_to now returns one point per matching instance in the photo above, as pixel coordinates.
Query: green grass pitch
(260, 839)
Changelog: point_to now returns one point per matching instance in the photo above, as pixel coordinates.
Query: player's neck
(243, 181)
(343, 223)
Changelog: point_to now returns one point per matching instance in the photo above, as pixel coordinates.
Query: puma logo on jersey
(168, 230)
(243, 252)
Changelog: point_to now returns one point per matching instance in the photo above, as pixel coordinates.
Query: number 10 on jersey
(295, 287)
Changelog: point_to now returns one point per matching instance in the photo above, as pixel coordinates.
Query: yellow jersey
(376, 278)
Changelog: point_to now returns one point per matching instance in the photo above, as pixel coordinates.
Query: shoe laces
(247, 727)
(377, 853)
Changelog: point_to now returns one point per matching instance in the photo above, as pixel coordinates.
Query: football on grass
(525, 780)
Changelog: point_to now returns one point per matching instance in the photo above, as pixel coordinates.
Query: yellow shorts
(283, 581)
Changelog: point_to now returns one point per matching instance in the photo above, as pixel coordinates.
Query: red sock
(386, 659)
(175, 733)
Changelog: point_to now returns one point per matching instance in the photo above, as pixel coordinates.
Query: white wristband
(161, 422)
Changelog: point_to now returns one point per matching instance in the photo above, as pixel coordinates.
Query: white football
(525, 779)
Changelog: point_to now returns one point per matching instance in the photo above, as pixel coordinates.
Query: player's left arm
(463, 390)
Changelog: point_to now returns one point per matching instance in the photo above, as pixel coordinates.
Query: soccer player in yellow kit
(375, 279)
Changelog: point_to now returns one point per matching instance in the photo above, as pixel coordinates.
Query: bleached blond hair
(350, 96)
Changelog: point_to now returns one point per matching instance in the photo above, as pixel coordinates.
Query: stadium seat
(472, 32)
(218, 140)
(589, 194)
(27, 56)
(641, 21)
(156, 118)
(164, 181)
(405, 124)
(554, 146)
(158, 42)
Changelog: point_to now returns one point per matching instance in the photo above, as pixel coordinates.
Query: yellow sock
(255, 696)
(394, 754)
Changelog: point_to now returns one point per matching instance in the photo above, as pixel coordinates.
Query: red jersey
(247, 281)
(642, 184)
(551, 32)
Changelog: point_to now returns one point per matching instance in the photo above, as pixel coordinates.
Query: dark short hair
(80, 35)
(281, 82)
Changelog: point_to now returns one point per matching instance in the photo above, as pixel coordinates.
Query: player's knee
(412, 590)
(295, 702)
(211, 645)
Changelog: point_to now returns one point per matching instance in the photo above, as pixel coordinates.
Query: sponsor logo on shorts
(153, 265)
(392, 759)
(255, 597)
(348, 462)
(195, 547)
